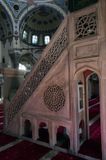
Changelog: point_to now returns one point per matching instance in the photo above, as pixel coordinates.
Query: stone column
(103, 116)
(75, 117)
(15, 56)
(53, 135)
(35, 130)
(103, 96)
(50, 130)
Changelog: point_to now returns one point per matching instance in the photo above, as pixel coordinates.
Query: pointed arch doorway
(89, 132)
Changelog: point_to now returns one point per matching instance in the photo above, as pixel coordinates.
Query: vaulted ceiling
(40, 20)
(6, 28)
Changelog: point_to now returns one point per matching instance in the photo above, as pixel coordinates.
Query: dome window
(22, 67)
(46, 39)
(34, 39)
(25, 35)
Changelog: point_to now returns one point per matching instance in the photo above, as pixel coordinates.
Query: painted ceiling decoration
(16, 7)
(48, 17)
(6, 28)
(43, 19)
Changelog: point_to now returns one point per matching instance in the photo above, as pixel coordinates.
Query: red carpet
(24, 151)
(95, 132)
(94, 111)
(5, 139)
(92, 147)
(63, 156)
(93, 101)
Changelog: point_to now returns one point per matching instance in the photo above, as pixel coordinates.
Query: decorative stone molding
(86, 51)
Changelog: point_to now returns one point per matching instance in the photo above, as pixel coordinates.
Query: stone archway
(88, 113)
(62, 137)
(43, 132)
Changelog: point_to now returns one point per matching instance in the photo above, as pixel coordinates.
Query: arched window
(22, 67)
(34, 39)
(46, 39)
(25, 35)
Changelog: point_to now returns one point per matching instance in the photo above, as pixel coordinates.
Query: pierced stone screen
(54, 98)
(86, 25)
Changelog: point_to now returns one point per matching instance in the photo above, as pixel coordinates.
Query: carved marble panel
(90, 50)
(54, 97)
(86, 25)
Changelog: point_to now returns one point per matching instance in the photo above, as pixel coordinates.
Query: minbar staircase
(1, 117)
(49, 56)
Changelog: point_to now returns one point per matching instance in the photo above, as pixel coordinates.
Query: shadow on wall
(27, 129)
(63, 139)
(43, 132)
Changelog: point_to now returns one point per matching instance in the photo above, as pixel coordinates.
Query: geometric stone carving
(36, 76)
(86, 25)
(54, 98)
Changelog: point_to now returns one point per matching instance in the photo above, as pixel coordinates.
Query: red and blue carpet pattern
(24, 150)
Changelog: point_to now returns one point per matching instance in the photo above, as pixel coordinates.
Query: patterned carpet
(24, 150)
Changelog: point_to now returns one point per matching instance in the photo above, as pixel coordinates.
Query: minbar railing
(49, 56)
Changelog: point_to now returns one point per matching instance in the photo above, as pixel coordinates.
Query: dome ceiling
(5, 24)
(42, 19)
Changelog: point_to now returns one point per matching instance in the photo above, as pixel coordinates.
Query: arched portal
(62, 137)
(43, 132)
(93, 100)
(27, 129)
(89, 132)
